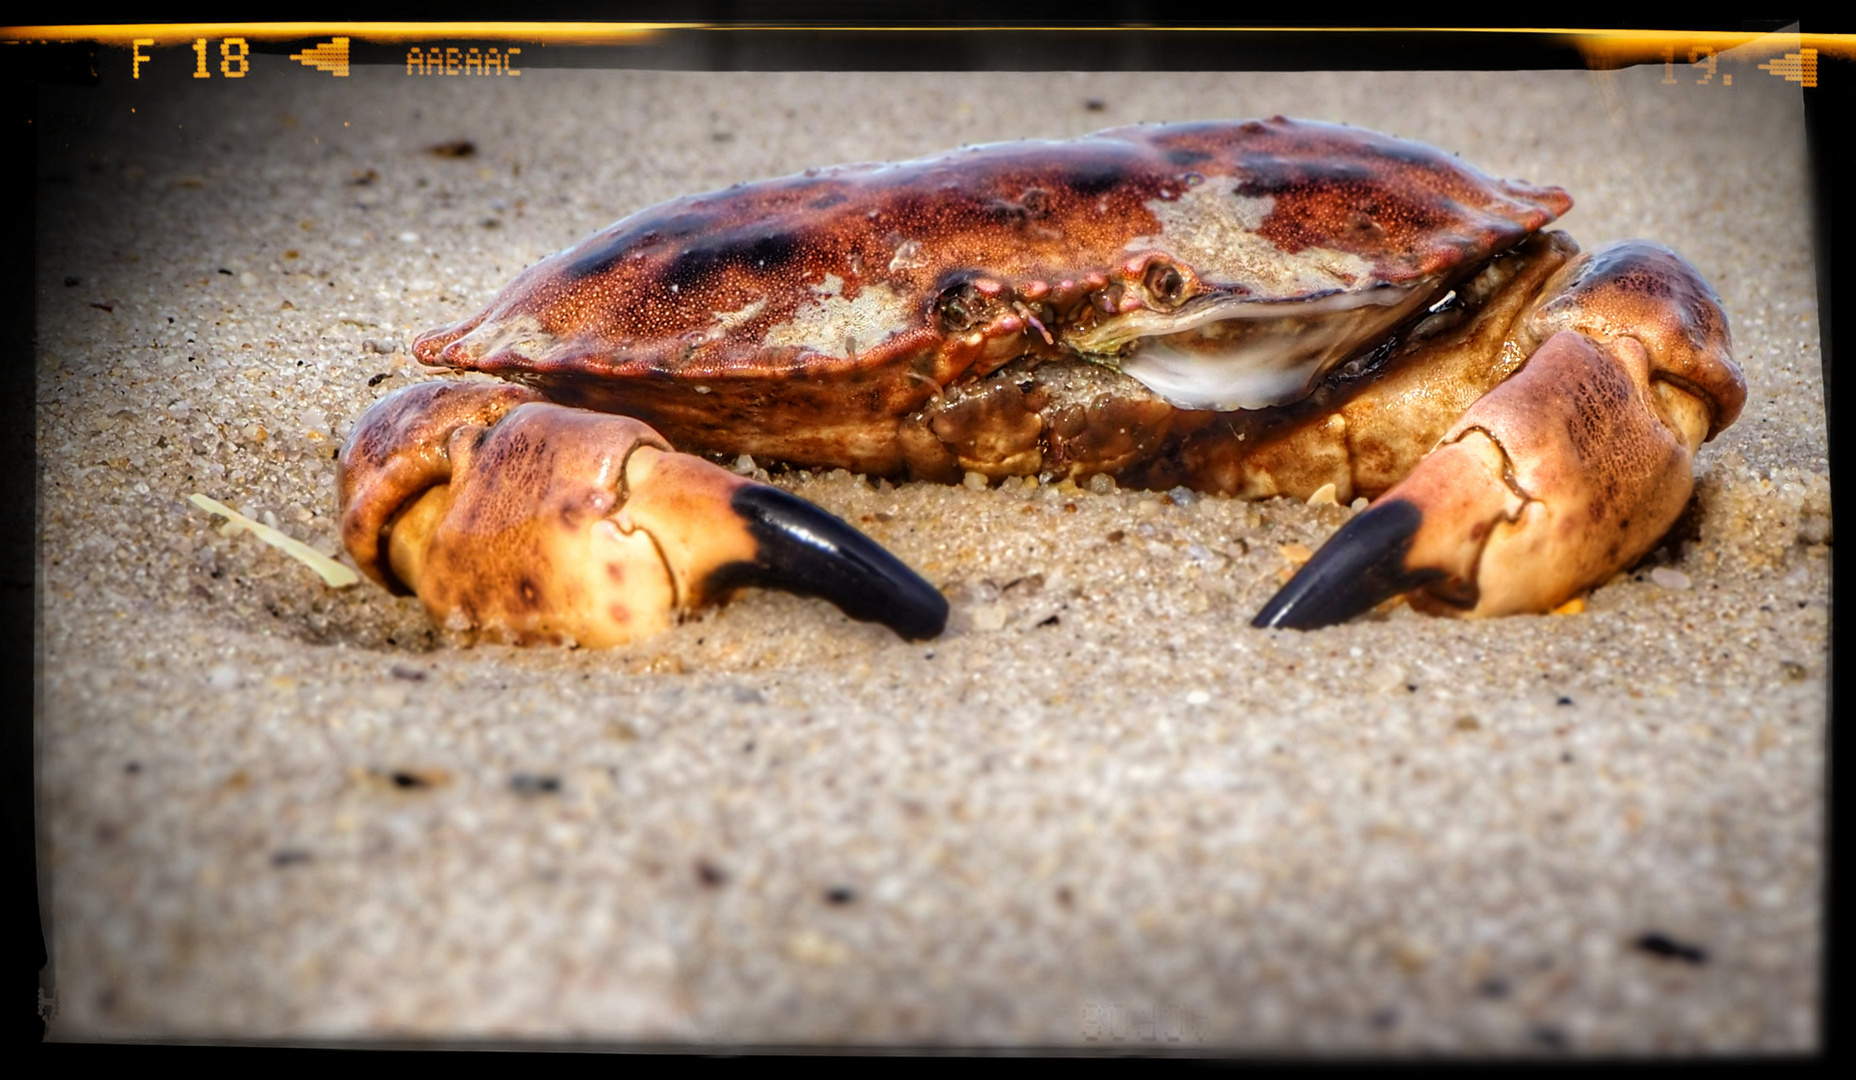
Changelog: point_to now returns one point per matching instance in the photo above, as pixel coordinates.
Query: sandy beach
(1100, 812)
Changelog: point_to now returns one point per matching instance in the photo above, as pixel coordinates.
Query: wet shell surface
(1222, 265)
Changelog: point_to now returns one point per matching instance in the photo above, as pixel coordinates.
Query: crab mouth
(1224, 352)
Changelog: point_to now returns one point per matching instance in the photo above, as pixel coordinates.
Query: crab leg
(509, 515)
(1557, 478)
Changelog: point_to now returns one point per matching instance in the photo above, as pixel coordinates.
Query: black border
(815, 36)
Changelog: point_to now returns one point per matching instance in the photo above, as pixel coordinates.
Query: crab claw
(1559, 477)
(509, 515)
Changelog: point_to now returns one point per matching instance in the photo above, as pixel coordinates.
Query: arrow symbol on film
(330, 56)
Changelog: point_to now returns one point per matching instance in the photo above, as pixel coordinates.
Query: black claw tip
(803, 549)
(1359, 566)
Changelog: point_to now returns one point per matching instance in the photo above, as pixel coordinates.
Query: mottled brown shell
(825, 306)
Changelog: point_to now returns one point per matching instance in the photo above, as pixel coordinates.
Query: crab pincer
(508, 515)
(1562, 475)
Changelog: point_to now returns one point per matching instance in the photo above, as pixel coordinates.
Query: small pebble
(812, 947)
(1198, 697)
(1669, 579)
(531, 784)
(1661, 945)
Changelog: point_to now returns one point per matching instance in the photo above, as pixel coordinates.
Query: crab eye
(1165, 284)
(959, 307)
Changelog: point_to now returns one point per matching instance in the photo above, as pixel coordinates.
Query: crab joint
(1426, 533)
(1555, 480)
(718, 531)
(557, 524)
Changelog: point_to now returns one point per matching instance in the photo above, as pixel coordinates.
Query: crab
(1258, 309)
